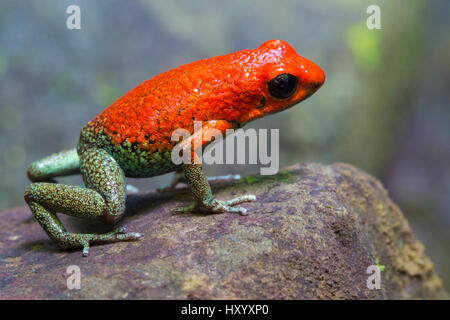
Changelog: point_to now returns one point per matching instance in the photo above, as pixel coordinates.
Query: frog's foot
(221, 206)
(77, 240)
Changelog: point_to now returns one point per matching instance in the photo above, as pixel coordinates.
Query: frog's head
(284, 78)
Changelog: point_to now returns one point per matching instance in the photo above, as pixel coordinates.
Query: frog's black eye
(283, 86)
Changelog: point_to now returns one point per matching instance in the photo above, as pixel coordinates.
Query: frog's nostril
(313, 77)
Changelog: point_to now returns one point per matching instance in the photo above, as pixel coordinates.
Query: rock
(312, 234)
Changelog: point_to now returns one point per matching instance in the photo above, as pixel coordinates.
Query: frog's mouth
(260, 113)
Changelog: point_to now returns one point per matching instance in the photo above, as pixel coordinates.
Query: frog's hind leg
(104, 198)
(59, 164)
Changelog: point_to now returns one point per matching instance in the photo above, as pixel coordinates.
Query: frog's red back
(228, 87)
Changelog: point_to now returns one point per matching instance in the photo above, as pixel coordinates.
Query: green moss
(282, 176)
(381, 267)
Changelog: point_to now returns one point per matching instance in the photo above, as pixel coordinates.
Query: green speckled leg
(59, 164)
(103, 198)
(204, 200)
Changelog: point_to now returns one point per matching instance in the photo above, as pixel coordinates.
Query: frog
(133, 138)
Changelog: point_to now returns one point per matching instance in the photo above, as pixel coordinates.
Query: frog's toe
(227, 206)
(238, 200)
(190, 208)
(119, 234)
(122, 233)
(220, 206)
(128, 236)
(229, 209)
(120, 230)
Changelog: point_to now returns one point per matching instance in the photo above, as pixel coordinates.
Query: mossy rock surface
(312, 234)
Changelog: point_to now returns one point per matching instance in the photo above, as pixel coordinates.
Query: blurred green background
(384, 107)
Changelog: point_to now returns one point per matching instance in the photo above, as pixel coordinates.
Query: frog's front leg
(59, 164)
(104, 198)
(204, 200)
(196, 178)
